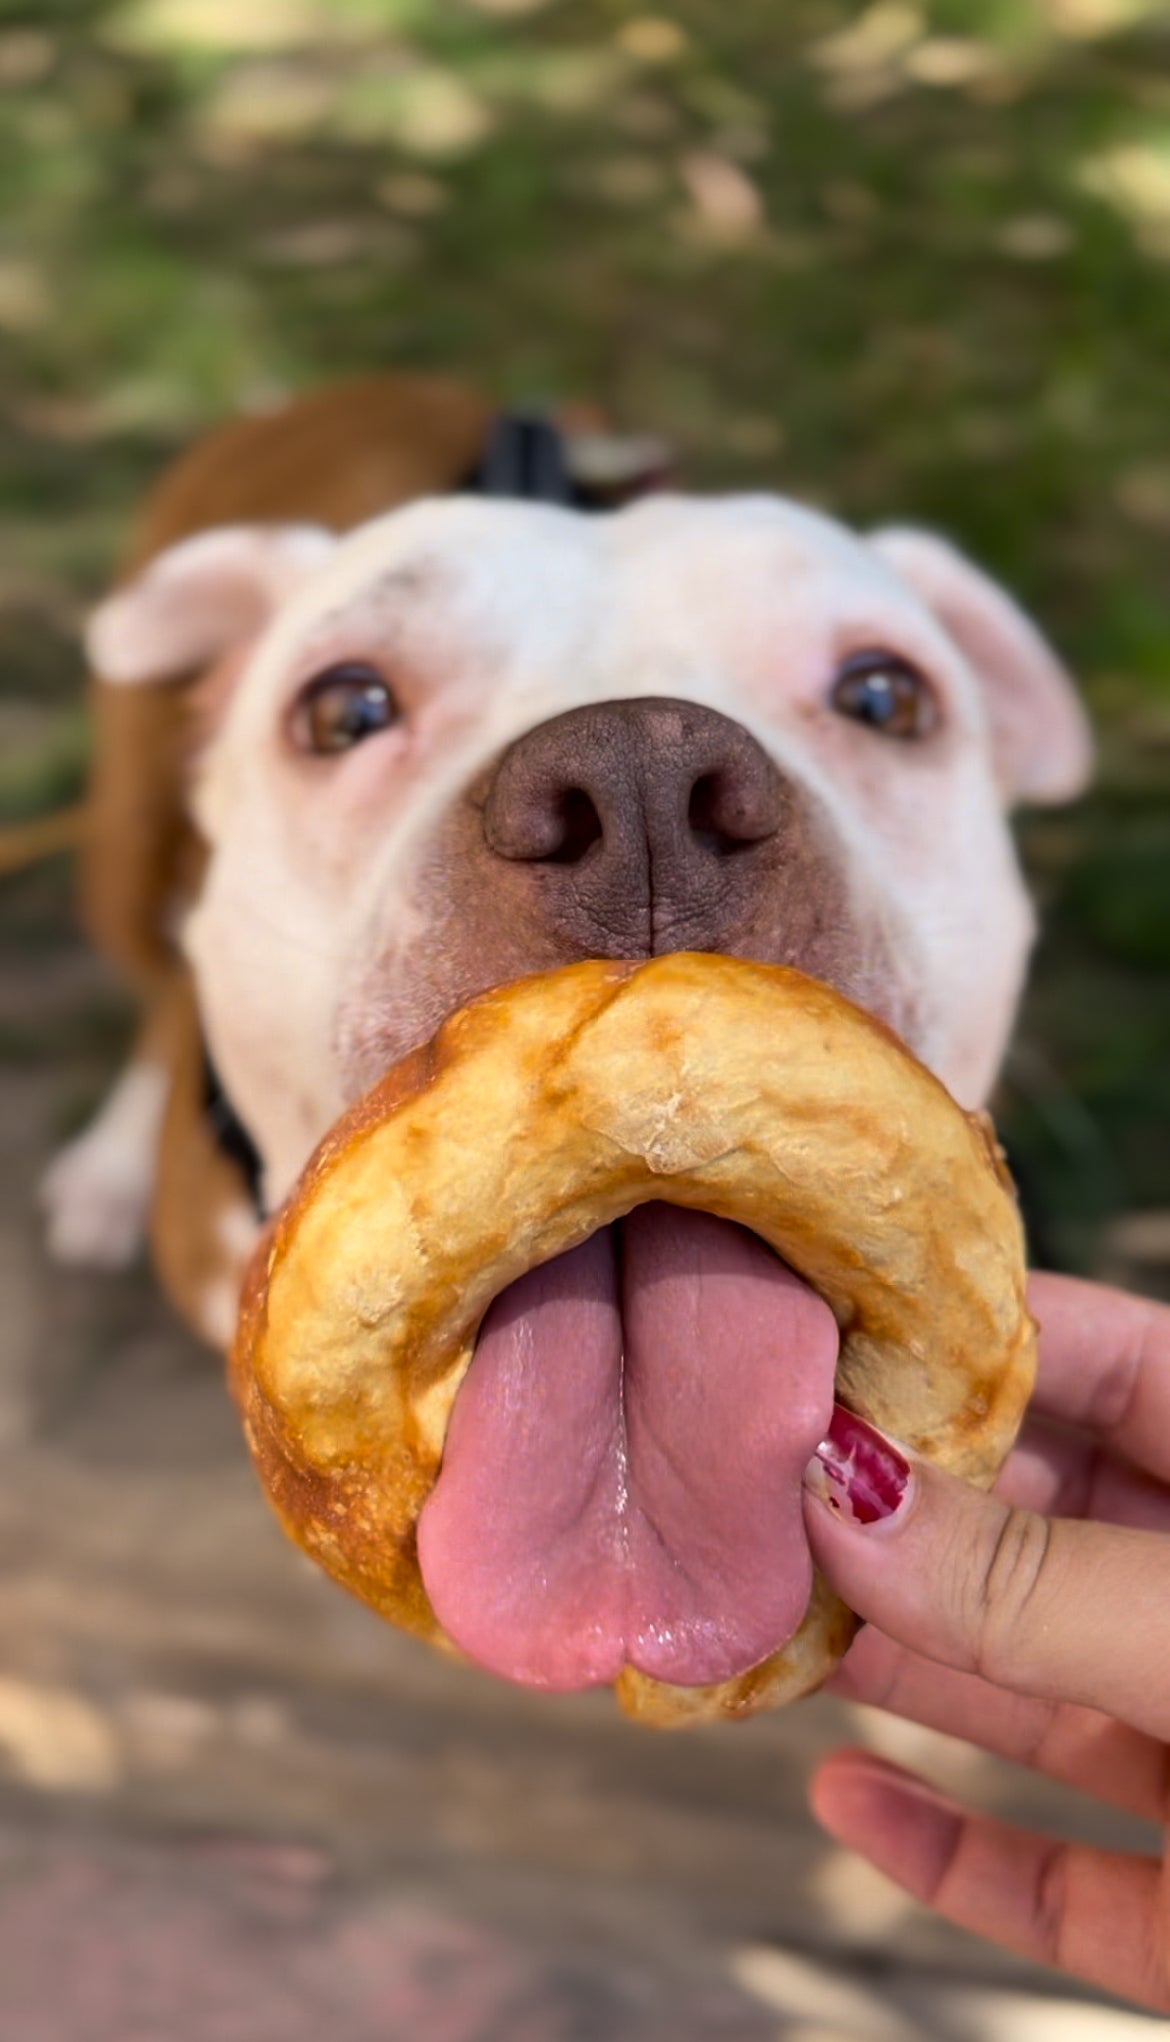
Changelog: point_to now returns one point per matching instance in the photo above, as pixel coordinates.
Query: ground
(236, 1805)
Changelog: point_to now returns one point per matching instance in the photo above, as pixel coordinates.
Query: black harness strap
(525, 457)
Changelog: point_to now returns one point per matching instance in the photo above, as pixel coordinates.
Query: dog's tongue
(621, 1479)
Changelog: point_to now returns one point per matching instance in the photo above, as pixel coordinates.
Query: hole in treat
(621, 1478)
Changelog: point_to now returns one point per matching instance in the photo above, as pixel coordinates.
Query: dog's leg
(96, 1194)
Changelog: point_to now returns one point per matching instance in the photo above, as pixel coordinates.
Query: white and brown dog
(431, 750)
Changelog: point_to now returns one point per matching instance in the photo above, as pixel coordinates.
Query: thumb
(1067, 1611)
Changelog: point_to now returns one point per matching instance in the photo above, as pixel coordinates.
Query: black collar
(230, 1135)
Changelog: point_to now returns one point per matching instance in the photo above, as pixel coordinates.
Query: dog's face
(477, 739)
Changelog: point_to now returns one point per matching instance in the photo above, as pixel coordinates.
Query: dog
(372, 740)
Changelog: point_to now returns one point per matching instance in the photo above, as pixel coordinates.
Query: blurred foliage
(904, 260)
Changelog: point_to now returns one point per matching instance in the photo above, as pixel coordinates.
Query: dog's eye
(886, 692)
(342, 706)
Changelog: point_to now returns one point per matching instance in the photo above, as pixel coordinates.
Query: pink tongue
(621, 1480)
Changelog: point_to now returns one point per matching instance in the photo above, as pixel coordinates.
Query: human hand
(1035, 1623)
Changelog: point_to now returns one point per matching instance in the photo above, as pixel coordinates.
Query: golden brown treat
(553, 1106)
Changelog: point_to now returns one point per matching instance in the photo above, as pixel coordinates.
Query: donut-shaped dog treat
(541, 1113)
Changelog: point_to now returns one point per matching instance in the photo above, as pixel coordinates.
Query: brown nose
(642, 823)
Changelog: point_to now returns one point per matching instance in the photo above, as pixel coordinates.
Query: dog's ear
(1041, 739)
(194, 602)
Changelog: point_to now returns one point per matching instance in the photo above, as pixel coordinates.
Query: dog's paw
(96, 1193)
(95, 1199)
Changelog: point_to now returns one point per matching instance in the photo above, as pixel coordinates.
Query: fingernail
(856, 1471)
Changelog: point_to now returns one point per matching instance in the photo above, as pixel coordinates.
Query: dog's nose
(639, 821)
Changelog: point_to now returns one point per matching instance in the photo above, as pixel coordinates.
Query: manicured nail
(856, 1471)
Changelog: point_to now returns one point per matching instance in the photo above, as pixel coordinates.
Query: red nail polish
(857, 1472)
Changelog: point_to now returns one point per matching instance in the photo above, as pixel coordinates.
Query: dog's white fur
(490, 618)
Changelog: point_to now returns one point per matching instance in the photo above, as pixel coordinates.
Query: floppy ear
(193, 602)
(1041, 738)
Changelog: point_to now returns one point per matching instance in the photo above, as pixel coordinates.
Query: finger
(1104, 1364)
(1077, 1746)
(1046, 1607)
(1063, 1474)
(1098, 1914)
